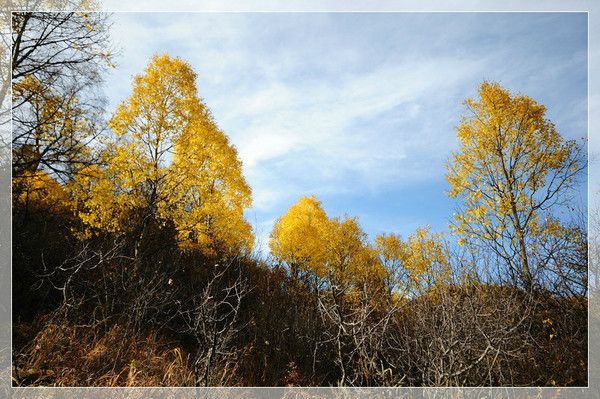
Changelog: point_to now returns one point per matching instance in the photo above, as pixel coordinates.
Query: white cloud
(290, 130)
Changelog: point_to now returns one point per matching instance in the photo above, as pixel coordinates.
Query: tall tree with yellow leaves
(511, 170)
(170, 165)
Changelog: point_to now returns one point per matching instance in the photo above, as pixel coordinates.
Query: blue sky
(358, 109)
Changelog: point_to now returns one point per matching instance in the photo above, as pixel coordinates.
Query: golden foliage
(414, 265)
(298, 236)
(511, 168)
(170, 162)
(39, 190)
(350, 259)
(306, 239)
(62, 127)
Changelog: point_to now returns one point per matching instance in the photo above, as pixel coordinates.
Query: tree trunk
(525, 273)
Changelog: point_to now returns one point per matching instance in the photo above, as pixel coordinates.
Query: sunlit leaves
(338, 250)
(169, 163)
(420, 262)
(39, 190)
(512, 168)
(55, 135)
(349, 257)
(298, 237)
(209, 193)
(307, 240)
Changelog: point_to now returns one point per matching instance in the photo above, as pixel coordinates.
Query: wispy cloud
(364, 125)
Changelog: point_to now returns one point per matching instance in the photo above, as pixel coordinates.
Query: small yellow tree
(348, 254)
(390, 250)
(415, 265)
(298, 237)
(511, 170)
(335, 249)
(426, 260)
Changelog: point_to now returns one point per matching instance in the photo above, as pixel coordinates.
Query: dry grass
(66, 355)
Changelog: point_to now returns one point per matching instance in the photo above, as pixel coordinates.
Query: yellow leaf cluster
(38, 189)
(416, 264)
(62, 127)
(298, 237)
(307, 240)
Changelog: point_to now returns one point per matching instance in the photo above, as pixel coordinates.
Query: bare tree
(355, 326)
(57, 61)
(211, 317)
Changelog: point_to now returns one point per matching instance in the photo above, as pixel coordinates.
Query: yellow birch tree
(511, 170)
